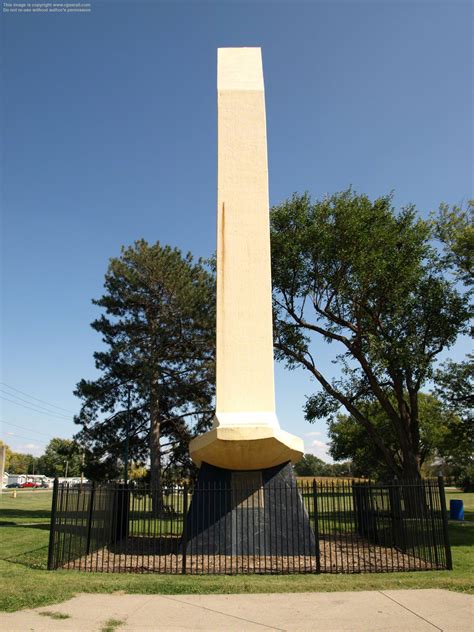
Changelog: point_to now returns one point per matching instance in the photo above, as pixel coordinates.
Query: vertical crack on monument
(222, 252)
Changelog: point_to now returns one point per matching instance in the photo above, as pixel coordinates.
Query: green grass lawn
(24, 533)
(26, 507)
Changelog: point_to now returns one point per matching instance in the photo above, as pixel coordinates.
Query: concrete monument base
(246, 447)
(257, 512)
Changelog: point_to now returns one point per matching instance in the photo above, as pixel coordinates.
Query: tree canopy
(311, 465)
(349, 439)
(454, 386)
(18, 462)
(369, 280)
(454, 227)
(60, 456)
(157, 330)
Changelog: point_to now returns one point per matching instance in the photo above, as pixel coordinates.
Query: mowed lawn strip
(26, 507)
(27, 583)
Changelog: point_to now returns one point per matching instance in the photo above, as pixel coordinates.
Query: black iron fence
(314, 527)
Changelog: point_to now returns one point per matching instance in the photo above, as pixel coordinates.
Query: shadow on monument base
(258, 512)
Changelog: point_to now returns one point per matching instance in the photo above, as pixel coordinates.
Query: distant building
(72, 480)
(19, 479)
(41, 479)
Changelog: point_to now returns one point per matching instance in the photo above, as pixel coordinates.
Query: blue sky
(109, 135)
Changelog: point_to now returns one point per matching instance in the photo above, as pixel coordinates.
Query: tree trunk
(413, 493)
(155, 468)
(410, 446)
(155, 452)
(408, 429)
(411, 467)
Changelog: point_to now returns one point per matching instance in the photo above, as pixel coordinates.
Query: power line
(41, 412)
(13, 434)
(37, 399)
(9, 423)
(37, 406)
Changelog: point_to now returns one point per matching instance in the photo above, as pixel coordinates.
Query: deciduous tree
(311, 465)
(61, 456)
(350, 440)
(367, 279)
(454, 227)
(455, 388)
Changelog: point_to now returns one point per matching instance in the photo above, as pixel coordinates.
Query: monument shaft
(246, 434)
(244, 379)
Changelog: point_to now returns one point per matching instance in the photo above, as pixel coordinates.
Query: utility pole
(127, 435)
(67, 465)
(82, 466)
(3, 458)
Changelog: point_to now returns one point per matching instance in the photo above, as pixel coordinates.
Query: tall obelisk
(246, 434)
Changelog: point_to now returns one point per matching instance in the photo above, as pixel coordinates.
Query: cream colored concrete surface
(246, 448)
(394, 610)
(245, 390)
(244, 339)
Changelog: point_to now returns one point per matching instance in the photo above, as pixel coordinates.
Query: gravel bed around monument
(337, 555)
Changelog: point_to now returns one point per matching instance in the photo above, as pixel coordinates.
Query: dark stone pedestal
(258, 512)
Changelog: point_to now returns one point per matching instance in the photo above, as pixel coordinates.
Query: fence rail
(318, 527)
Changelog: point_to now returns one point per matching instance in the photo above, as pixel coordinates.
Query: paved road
(397, 610)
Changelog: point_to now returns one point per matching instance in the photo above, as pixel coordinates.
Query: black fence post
(121, 513)
(89, 518)
(184, 535)
(52, 528)
(316, 526)
(442, 500)
(433, 542)
(360, 494)
(396, 515)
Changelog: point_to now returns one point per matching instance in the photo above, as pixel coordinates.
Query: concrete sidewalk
(397, 610)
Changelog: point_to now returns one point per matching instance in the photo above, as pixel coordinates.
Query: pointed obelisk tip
(239, 69)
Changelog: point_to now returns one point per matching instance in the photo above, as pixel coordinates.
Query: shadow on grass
(12, 515)
(20, 525)
(461, 533)
(35, 557)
